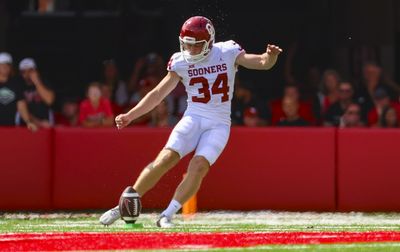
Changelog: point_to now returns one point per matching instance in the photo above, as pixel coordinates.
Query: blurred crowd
(27, 99)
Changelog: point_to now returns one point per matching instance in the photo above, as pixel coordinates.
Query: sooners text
(207, 70)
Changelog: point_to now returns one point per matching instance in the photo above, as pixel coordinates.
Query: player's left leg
(211, 144)
(197, 170)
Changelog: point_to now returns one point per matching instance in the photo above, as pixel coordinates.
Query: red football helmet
(197, 29)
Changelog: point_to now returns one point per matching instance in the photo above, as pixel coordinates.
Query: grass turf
(262, 221)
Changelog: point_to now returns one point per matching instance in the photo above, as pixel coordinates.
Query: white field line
(290, 219)
(31, 216)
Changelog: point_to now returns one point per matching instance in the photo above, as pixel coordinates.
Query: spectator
(251, 117)
(302, 68)
(95, 111)
(372, 79)
(305, 108)
(351, 117)
(244, 99)
(336, 110)
(145, 86)
(328, 93)
(69, 113)
(381, 100)
(116, 88)
(151, 65)
(106, 92)
(11, 96)
(389, 118)
(161, 116)
(38, 95)
(147, 73)
(291, 110)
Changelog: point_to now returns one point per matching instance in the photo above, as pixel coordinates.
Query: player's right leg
(182, 141)
(150, 175)
(110, 216)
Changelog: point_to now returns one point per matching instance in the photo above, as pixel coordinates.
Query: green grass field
(260, 221)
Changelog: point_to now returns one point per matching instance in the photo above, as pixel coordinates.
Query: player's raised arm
(150, 101)
(260, 61)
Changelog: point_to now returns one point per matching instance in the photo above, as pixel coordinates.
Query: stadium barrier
(273, 168)
(297, 169)
(93, 166)
(26, 169)
(368, 170)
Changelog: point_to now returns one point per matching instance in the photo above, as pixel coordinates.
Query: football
(129, 205)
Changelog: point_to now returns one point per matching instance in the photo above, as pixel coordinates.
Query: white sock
(172, 209)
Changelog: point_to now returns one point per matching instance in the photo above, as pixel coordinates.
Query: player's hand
(273, 50)
(122, 120)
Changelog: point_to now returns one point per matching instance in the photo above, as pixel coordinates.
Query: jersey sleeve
(171, 66)
(233, 48)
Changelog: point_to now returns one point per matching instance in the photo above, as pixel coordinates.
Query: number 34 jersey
(209, 83)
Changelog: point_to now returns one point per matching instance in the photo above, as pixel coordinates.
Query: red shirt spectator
(68, 116)
(95, 111)
(325, 103)
(381, 100)
(251, 117)
(329, 89)
(374, 115)
(305, 112)
(88, 111)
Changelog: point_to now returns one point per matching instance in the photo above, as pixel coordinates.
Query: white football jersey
(210, 82)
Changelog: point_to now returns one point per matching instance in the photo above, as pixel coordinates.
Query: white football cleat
(164, 222)
(110, 216)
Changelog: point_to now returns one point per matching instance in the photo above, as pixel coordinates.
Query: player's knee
(166, 160)
(199, 166)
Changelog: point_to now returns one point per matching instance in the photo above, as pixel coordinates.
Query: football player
(207, 69)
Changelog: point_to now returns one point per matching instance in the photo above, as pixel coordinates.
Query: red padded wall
(25, 178)
(93, 166)
(368, 170)
(273, 168)
(261, 168)
(264, 168)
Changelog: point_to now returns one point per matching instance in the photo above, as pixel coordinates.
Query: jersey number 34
(220, 86)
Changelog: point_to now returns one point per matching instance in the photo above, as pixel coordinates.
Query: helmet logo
(210, 29)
